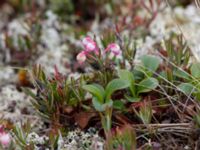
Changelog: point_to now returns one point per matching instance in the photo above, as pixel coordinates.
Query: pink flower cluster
(5, 138)
(91, 46)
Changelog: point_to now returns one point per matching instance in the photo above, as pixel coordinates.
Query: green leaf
(147, 85)
(127, 75)
(197, 95)
(96, 90)
(182, 74)
(118, 104)
(186, 88)
(73, 102)
(150, 62)
(101, 107)
(97, 105)
(29, 92)
(138, 73)
(114, 85)
(108, 104)
(163, 74)
(195, 70)
(132, 99)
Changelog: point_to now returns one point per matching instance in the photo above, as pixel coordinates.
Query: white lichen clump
(79, 140)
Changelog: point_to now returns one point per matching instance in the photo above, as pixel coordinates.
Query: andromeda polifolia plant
(56, 97)
(102, 60)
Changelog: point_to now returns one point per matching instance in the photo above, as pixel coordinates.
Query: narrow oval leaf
(182, 74)
(147, 85)
(195, 70)
(186, 88)
(126, 75)
(96, 90)
(114, 85)
(150, 62)
(29, 92)
(97, 105)
(132, 99)
(102, 107)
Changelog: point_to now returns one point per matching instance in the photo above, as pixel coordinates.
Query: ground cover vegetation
(124, 101)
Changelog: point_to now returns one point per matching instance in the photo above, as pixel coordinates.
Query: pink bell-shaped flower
(81, 57)
(114, 49)
(5, 139)
(89, 44)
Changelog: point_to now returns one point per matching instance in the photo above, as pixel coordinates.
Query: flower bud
(81, 57)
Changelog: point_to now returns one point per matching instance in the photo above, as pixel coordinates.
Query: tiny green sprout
(21, 134)
(145, 113)
(102, 100)
(123, 138)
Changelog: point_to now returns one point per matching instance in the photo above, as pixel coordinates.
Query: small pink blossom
(89, 44)
(81, 57)
(114, 48)
(5, 139)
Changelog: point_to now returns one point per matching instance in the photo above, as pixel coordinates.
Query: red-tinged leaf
(117, 28)
(60, 91)
(137, 104)
(163, 52)
(58, 76)
(138, 20)
(83, 118)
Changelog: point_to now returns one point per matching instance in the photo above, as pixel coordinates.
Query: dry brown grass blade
(180, 129)
(197, 3)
